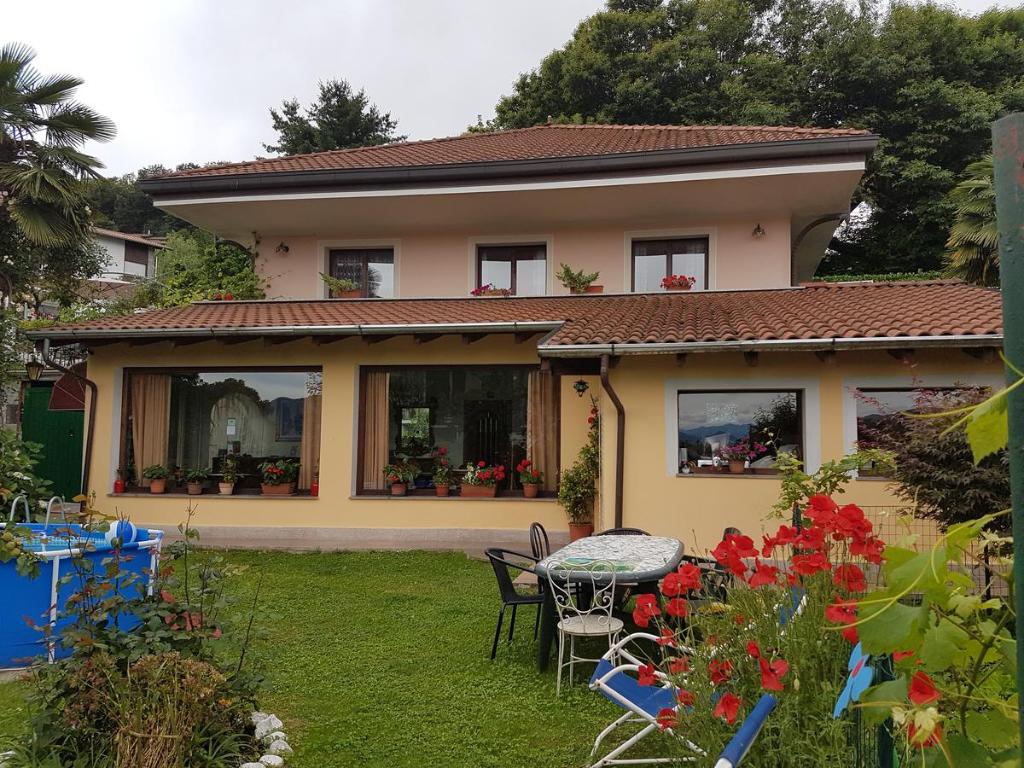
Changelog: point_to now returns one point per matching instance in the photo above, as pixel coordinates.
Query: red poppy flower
(721, 670)
(166, 596)
(870, 549)
(843, 612)
(685, 698)
(785, 536)
(668, 637)
(754, 650)
(772, 672)
(922, 690)
(645, 675)
(667, 719)
(899, 656)
(850, 577)
(677, 607)
(807, 565)
(924, 742)
(645, 610)
(689, 576)
(763, 574)
(728, 707)
(678, 665)
(739, 619)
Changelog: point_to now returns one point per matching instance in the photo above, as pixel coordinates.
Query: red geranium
(728, 707)
(922, 690)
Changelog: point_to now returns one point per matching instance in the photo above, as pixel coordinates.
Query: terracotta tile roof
(538, 142)
(891, 313)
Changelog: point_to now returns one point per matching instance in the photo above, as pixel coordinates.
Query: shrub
(155, 472)
(577, 281)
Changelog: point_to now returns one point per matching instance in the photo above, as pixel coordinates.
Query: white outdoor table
(637, 560)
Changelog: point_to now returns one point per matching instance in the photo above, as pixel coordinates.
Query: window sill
(433, 497)
(206, 496)
(873, 479)
(732, 476)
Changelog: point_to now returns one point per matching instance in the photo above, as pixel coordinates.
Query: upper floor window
(654, 260)
(373, 269)
(521, 269)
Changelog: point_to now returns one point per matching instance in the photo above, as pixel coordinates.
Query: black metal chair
(509, 595)
(539, 543)
(623, 532)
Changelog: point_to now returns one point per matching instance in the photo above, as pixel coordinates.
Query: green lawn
(381, 659)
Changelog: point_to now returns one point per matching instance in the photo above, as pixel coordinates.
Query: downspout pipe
(44, 348)
(620, 437)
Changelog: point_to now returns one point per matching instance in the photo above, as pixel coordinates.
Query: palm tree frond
(71, 123)
(973, 239)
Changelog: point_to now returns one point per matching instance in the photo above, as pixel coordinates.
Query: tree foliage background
(926, 78)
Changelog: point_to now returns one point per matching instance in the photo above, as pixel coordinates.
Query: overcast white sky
(191, 80)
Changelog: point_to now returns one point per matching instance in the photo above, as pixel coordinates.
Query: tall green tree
(42, 132)
(340, 118)
(974, 238)
(924, 77)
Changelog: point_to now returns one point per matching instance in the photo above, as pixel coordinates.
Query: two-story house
(346, 386)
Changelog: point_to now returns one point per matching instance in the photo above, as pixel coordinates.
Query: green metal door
(60, 434)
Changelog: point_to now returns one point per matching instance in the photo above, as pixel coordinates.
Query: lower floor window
(751, 427)
(190, 421)
(498, 415)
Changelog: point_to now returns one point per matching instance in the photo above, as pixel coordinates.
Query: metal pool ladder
(14, 508)
(49, 509)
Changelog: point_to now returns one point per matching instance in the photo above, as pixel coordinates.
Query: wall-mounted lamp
(759, 231)
(282, 248)
(34, 369)
(581, 387)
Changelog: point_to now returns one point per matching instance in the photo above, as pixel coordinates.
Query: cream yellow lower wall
(335, 506)
(694, 508)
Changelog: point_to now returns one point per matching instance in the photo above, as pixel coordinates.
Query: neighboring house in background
(417, 363)
(130, 257)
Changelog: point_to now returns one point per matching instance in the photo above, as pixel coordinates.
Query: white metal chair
(584, 596)
(615, 679)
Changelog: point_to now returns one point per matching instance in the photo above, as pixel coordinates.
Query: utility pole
(1008, 151)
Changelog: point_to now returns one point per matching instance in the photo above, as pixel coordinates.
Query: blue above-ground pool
(41, 600)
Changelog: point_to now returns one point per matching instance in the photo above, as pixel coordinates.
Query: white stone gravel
(272, 761)
(268, 730)
(267, 726)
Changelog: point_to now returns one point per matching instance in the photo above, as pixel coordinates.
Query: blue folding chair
(615, 679)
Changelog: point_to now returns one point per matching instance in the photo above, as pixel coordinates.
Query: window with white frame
(371, 269)
(520, 269)
(654, 260)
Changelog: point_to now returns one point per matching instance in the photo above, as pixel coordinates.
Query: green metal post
(1008, 149)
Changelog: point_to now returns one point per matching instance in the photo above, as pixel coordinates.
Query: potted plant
(277, 478)
(740, 452)
(678, 282)
(577, 487)
(399, 476)
(481, 480)
(529, 477)
(442, 471)
(578, 281)
(341, 288)
(490, 290)
(157, 476)
(195, 479)
(229, 475)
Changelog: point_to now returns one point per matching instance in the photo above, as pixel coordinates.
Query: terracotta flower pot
(478, 491)
(353, 294)
(281, 489)
(594, 289)
(442, 490)
(737, 466)
(530, 490)
(399, 489)
(580, 530)
(195, 489)
(158, 486)
(678, 288)
(226, 489)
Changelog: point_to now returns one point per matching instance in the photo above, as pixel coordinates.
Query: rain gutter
(620, 437)
(508, 169)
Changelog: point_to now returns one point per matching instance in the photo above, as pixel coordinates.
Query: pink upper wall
(431, 264)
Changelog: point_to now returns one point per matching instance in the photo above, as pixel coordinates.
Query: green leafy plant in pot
(157, 475)
(577, 487)
(578, 281)
(341, 288)
(229, 475)
(400, 475)
(195, 478)
(442, 473)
